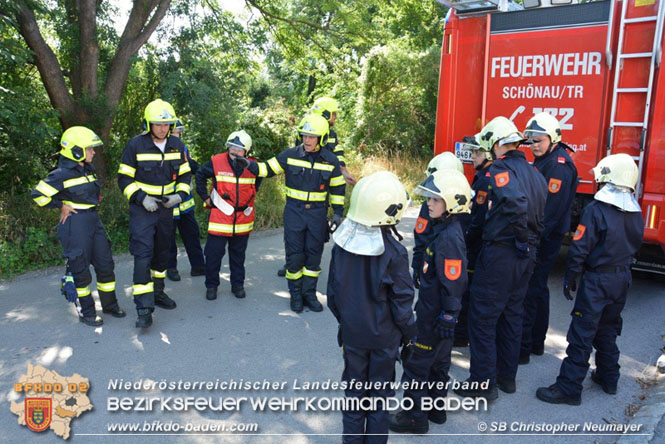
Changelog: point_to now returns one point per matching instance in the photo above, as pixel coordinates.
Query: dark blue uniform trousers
(430, 361)
(304, 237)
(191, 238)
(149, 242)
(84, 242)
(536, 319)
(214, 252)
(373, 365)
(596, 323)
(495, 311)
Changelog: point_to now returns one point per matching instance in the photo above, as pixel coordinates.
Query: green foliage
(397, 105)
(379, 59)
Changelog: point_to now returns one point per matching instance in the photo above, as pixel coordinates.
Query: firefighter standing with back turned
(312, 176)
(231, 203)
(154, 176)
(371, 295)
(510, 236)
(75, 190)
(554, 163)
(608, 236)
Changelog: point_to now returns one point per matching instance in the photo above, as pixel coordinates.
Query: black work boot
(554, 395)
(238, 292)
(309, 293)
(401, 422)
(145, 318)
(460, 342)
(92, 320)
(110, 304)
(162, 299)
(173, 274)
(524, 358)
(437, 416)
(295, 289)
(538, 350)
(282, 271)
(506, 385)
(490, 394)
(211, 293)
(609, 389)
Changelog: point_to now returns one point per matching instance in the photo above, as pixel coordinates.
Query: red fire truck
(594, 66)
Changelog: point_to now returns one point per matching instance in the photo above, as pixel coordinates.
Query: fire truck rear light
(652, 216)
(652, 18)
(635, 55)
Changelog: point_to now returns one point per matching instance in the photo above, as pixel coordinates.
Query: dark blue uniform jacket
(372, 296)
(517, 201)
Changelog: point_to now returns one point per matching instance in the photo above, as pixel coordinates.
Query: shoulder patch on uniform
(554, 186)
(421, 225)
(452, 268)
(579, 232)
(561, 159)
(487, 174)
(502, 179)
(481, 197)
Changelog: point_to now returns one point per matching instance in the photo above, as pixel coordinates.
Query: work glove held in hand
(150, 203)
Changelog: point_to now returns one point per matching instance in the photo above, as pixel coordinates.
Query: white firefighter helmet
(452, 187)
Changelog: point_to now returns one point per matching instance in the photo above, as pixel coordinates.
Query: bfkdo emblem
(38, 413)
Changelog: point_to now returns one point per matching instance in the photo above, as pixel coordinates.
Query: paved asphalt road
(258, 339)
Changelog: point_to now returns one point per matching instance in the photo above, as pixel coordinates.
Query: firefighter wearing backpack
(443, 282)
(74, 188)
(608, 236)
(370, 293)
(154, 176)
(554, 163)
(312, 178)
(503, 269)
(185, 222)
(231, 203)
(482, 160)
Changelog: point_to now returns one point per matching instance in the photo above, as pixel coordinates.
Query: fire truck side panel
(460, 82)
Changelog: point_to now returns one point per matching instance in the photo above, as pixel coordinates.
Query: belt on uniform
(306, 205)
(608, 269)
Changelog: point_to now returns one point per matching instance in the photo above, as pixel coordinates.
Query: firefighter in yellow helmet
(551, 158)
(510, 234)
(328, 108)
(422, 231)
(443, 282)
(74, 188)
(608, 236)
(371, 296)
(154, 176)
(481, 159)
(313, 177)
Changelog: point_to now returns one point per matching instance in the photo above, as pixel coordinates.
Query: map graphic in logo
(51, 401)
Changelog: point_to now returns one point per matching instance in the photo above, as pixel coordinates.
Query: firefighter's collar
(359, 239)
(620, 197)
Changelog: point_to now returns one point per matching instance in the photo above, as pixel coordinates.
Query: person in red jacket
(231, 203)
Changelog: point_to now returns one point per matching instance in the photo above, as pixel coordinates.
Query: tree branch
(47, 64)
(134, 36)
(89, 59)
